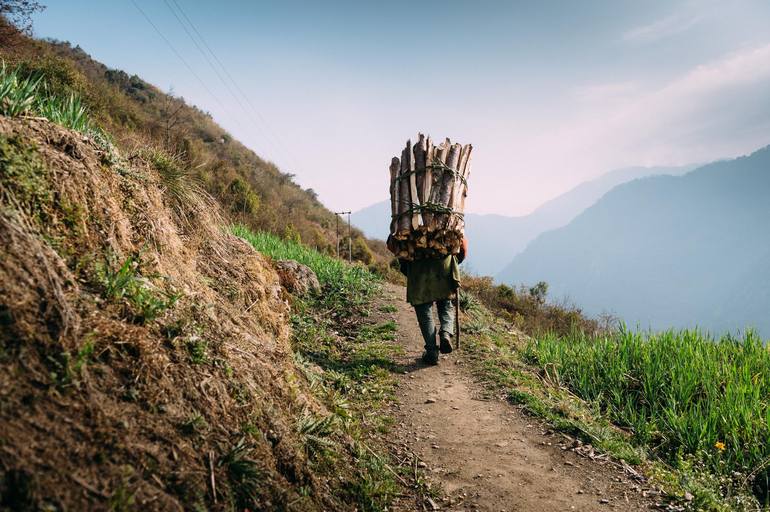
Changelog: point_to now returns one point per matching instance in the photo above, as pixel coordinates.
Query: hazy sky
(550, 93)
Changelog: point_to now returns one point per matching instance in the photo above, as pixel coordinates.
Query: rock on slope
(144, 353)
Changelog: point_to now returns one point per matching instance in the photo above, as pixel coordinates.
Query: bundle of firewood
(428, 186)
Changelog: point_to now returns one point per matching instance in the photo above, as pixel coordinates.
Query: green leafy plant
(468, 302)
(196, 423)
(144, 303)
(18, 95)
(29, 95)
(197, 349)
(67, 369)
(245, 476)
(315, 433)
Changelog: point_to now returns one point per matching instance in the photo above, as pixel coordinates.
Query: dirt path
(486, 454)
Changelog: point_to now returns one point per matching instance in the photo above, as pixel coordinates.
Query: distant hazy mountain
(496, 239)
(667, 251)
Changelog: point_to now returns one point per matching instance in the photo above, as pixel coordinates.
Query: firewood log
(414, 203)
(404, 219)
(439, 160)
(456, 222)
(395, 167)
(427, 181)
(447, 183)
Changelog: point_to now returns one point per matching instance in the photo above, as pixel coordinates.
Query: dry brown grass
(101, 408)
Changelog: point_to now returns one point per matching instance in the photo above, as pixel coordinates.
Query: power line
(278, 140)
(213, 67)
(186, 64)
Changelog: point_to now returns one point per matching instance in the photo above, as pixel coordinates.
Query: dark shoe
(430, 357)
(446, 346)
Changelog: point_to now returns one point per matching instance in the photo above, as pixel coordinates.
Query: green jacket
(430, 280)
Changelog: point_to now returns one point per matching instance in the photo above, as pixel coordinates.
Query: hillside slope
(137, 114)
(496, 239)
(145, 352)
(110, 303)
(667, 251)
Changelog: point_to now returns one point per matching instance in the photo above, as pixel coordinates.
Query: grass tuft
(245, 476)
(125, 284)
(28, 95)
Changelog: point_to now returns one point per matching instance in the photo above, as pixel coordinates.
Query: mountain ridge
(665, 251)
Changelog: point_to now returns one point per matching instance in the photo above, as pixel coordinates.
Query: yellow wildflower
(719, 445)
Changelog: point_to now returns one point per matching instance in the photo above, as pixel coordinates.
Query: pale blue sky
(550, 93)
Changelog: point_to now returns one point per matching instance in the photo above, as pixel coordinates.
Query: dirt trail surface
(487, 454)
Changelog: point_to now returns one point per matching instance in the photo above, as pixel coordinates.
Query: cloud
(662, 28)
(714, 110)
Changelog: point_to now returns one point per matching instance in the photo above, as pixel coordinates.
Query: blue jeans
(446, 316)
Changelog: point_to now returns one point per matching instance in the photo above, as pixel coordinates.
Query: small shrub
(180, 184)
(527, 308)
(244, 200)
(290, 234)
(361, 251)
(539, 291)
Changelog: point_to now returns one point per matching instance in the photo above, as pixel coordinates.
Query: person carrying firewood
(429, 281)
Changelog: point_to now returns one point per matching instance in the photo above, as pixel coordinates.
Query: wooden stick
(440, 158)
(395, 166)
(211, 474)
(466, 175)
(427, 182)
(447, 181)
(419, 165)
(457, 319)
(415, 199)
(404, 220)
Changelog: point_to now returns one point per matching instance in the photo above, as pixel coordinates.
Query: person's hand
(463, 250)
(391, 244)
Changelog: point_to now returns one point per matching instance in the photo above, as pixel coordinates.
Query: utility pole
(350, 238)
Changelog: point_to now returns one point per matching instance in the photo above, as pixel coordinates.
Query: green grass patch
(388, 308)
(346, 288)
(682, 394)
